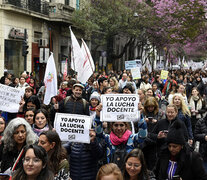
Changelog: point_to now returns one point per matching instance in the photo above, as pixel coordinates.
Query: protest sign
(164, 74)
(10, 98)
(133, 64)
(204, 80)
(73, 127)
(119, 107)
(136, 73)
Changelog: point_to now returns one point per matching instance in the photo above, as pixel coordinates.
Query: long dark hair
(45, 173)
(43, 111)
(58, 153)
(137, 153)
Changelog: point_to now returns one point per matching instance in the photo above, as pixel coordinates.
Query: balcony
(60, 12)
(36, 6)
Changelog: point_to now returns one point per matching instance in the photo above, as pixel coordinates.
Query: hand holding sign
(92, 135)
(98, 109)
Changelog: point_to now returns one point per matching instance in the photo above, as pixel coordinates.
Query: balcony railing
(40, 6)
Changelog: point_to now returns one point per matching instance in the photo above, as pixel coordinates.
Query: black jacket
(189, 165)
(164, 124)
(74, 106)
(84, 160)
(199, 135)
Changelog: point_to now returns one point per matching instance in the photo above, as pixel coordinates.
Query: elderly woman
(17, 134)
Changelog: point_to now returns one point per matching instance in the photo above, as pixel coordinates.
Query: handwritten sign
(73, 127)
(164, 74)
(136, 73)
(10, 98)
(119, 107)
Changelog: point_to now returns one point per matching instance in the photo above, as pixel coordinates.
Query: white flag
(82, 61)
(88, 66)
(50, 80)
(77, 56)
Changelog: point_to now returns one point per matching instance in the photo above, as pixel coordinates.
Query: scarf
(39, 131)
(116, 141)
(198, 107)
(92, 108)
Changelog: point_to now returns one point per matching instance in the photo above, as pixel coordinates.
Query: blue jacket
(133, 141)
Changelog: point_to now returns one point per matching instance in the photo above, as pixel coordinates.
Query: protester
(159, 133)
(57, 154)
(29, 116)
(22, 83)
(181, 90)
(120, 138)
(34, 165)
(17, 134)
(123, 80)
(109, 172)
(178, 159)
(197, 107)
(74, 104)
(114, 84)
(102, 82)
(152, 115)
(2, 126)
(183, 114)
(135, 167)
(198, 82)
(145, 83)
(41, 122)
(62, 92)
(95, 99)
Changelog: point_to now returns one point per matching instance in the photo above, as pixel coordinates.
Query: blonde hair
(184, 107)
(116, 84)
(109, 169)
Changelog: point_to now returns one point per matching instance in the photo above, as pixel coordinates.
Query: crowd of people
(167, 141)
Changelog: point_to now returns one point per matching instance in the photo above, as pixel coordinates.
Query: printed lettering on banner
(119, 107)
(73, 127)
(10, 98)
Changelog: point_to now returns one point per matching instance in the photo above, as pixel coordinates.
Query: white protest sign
(10, 98)
(133, 64)
(136, 73)
(119, 107)
(73, 127)
(204, 80)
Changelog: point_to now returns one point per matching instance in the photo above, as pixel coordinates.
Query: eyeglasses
(34, 160)
(134, 165)
(117, 125)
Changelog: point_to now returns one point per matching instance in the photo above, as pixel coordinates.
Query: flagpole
(87, 54)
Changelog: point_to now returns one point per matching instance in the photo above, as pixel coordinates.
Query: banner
(50, 80)
(136, 73)
(119, 107)
(73, 127)
(164, 74)
(10, 98)
(133, 64)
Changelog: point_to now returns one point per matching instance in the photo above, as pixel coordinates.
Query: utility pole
(25, 49)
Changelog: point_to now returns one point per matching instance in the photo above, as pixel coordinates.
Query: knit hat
(176, 134)
(95, 95)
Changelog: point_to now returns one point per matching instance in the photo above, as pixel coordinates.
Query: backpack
(119, 155)
(84, 103)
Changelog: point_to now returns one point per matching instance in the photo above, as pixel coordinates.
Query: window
(67, 2)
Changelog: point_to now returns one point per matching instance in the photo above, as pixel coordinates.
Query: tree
(104, 19)
(181, 23)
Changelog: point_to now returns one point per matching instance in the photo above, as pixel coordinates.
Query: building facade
(44, 24)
